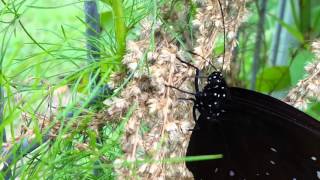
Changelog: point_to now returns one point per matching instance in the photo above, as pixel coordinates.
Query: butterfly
(259, 137)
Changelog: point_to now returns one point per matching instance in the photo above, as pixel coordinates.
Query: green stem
(120, 27)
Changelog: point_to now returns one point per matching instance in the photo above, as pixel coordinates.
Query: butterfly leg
(196, 126)
(183, 91)
(187, 99)
(196, 78)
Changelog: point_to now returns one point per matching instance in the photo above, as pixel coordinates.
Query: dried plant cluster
(307, 89)
(210, 25)
(159, 127)
(166, 121)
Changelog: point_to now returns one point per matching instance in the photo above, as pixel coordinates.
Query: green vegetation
(43, 50)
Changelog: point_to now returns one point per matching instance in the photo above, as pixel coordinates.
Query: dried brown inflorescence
(158, 129)
(166, 120)
(210, 24)
(308, 88)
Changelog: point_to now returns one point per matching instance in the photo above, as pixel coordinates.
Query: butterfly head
(215, 79)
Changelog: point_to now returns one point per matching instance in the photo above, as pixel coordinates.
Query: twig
(92, 19)
(259, 39)
(278, 33)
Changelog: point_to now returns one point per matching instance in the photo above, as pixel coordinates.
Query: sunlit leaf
(296, 69)
(106, 20)
(313, 110)
(273, 79)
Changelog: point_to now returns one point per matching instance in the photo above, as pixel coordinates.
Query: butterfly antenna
(224, 34)
(193, 53)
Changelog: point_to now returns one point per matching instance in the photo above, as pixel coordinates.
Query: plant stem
(92, 19)
(259, 39)
(120, 26)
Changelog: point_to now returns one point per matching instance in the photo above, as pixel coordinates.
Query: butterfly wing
(259, 137)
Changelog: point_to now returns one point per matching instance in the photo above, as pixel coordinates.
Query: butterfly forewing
(259, 137)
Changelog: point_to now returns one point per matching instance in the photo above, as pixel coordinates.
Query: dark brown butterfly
(259, 136)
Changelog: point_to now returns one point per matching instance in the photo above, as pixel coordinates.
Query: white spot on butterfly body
(267, 173)
(294, 178)
(272, 162)
(216, 170)
(215, 103)
(273, 149)
(231, 173)
(313, 158)
(318, 174)
(209, 105)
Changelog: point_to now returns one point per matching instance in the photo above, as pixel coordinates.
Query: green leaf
(106, 20)
(292, 29)
(296, 69)
(106, 1)
(92, 138)
(294, 11)
(219, 48)
(273, 79)
(316, 19)
(313, 110)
